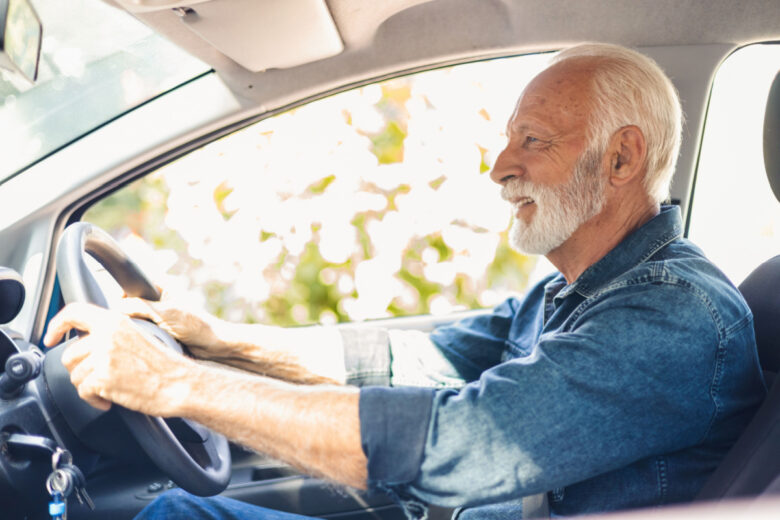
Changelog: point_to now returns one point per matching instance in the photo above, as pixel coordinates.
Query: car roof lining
(392, 35)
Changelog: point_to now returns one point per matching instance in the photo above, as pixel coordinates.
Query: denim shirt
(622, 389)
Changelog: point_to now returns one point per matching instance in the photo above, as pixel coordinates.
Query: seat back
(762, 292)
(753, 463)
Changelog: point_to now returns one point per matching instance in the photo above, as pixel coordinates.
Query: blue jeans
(180, 505)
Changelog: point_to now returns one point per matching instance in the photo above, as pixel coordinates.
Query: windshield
(96, 63)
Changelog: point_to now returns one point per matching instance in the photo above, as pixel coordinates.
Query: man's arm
(359, 356)
(315, 428)
(305, 355)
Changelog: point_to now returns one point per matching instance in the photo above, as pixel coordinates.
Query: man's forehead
(560, 93)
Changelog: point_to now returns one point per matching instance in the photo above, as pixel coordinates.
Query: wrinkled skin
(191, 326)
(107, 363)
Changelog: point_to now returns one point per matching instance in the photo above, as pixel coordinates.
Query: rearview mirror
(20, 37)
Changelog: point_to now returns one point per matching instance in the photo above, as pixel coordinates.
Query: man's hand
(192, 327)
(117, 362)
(316, 428)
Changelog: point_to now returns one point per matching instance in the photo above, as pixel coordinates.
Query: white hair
(629, 88)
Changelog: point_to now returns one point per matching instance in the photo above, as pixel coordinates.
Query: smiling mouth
(522, 201)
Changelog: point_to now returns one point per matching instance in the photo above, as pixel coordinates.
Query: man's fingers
(99, 403)
(83, 375)
(80, 370)
(75, 353)
(90, 392)
(74, 316)
(138, 308)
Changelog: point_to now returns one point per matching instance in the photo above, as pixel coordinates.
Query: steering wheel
(194, 457)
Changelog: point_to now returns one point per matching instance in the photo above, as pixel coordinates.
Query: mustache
(516, 188)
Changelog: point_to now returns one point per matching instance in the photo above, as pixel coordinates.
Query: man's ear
(627, 152)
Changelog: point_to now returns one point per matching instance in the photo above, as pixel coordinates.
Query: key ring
(49, 486)
(58, 455)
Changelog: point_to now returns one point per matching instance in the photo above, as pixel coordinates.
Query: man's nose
(505, 168)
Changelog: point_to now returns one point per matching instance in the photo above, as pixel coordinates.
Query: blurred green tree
(254, 235)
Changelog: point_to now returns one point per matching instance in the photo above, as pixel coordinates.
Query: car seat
(752, 466)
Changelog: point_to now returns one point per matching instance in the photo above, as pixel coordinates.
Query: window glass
(735, 217)
(97, 62)
(372, 203)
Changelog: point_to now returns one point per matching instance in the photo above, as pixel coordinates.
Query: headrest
(772, 137)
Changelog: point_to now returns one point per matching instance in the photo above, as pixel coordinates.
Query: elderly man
(618, 382)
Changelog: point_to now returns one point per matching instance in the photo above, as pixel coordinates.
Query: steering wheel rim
(198, 459)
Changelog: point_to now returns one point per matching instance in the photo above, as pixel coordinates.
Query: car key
(67, 478)
(79, 484)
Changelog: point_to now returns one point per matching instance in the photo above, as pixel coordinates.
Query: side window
(371, 203)
(735, 217)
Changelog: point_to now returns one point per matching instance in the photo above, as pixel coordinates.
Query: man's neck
(598, 236)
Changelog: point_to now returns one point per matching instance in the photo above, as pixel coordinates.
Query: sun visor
(258, 35)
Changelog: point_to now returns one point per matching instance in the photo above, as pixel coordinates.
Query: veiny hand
(192, 327)
(118, 362)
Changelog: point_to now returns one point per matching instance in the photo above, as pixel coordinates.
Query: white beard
(560, 210)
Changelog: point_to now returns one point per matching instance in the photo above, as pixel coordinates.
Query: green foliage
(437, 242)
(138, 208)
(359, 223)
(308, 290)
(220, 194)
(484, 167)
(321, 185)
(509, 268)
(389, 144)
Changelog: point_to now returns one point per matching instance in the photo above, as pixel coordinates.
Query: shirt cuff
(366, 356)
(415, 360)
(393, 429)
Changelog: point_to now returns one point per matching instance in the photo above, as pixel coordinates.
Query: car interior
(254, 61)
(751, 466)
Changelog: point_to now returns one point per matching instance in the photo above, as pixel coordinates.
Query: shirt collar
(636, 248)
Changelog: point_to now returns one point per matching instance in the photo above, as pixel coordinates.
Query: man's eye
(531, 140)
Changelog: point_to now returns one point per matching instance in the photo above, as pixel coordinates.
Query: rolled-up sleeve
(366, 356)
(394, 427)
(449, 357)
(381, 357)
